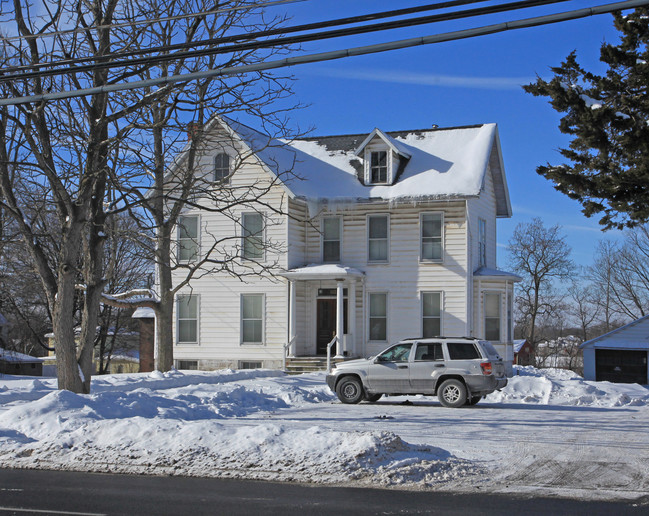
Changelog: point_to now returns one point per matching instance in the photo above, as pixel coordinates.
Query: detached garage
(619, 356)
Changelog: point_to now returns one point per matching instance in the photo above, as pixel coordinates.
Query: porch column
(292, 318)
(351, 322)
(339, 317)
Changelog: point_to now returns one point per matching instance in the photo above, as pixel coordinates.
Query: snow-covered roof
(395, 145)
(444, 163)
(326, 271)
(633, 335)
(518, 344)
(485, 272)
(144, 312)
(13, 356)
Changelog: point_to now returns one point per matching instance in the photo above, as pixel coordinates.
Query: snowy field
(547, 432)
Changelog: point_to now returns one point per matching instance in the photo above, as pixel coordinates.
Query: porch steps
(299, 365)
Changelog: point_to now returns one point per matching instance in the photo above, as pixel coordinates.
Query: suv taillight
(486, 368)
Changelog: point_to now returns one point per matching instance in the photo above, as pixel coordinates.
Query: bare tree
(76, 149)
(584, 307)
(540, 256)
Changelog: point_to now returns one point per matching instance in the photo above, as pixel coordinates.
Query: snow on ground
(548, 431)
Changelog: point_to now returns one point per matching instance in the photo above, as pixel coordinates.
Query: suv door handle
(440, 365)
(402, 367)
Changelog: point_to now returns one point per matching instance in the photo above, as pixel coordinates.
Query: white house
(375, 237)
(619, 356)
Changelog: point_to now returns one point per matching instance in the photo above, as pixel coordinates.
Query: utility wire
(336, 54)
(289, 40)
(135, 23)
(259, 34)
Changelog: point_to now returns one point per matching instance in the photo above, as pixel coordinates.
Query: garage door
(621, 366)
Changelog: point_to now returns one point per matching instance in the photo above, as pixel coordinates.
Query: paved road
(34, 492)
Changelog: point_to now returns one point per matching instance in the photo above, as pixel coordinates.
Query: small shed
(523, 352)
(146, 316)
(619, 356)
(12, 362)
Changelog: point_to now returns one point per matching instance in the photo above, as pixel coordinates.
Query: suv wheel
(452, 393)
(349, 390)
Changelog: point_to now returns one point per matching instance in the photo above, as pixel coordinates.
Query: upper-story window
(331, 238)
(482, 242)
(253, 236)
(187, 238)
(378, 230)
(221, 167)
(432, 247)
(378, 167)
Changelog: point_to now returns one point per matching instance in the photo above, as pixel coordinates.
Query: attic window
(379, 167)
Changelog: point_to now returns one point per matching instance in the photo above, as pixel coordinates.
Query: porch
(325, 308)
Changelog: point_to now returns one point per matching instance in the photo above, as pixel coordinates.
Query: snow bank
(264, 425)
(564, 387)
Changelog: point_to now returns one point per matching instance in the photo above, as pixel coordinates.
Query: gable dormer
(383, 158)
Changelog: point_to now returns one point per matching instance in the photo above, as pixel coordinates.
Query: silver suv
(459, 371)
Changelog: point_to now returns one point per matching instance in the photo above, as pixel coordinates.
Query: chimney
(193, 130)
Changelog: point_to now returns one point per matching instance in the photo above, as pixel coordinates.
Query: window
(253, 236)
(431, 236)
(191, 365)
(221, 167)
(378, 167)
(429, 352)
(398, 353)
(492, 316)
(431, 311)
(187, 319)
(252, 318)
(482, 242)
(246, 364)
(510, 317)
(462, 351)
(378, 316)
(331, 229)
(187, 238)
(377, 238)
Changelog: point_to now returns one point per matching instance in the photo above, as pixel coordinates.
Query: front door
(326, 324)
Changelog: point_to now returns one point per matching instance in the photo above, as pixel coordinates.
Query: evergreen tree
(608, 116)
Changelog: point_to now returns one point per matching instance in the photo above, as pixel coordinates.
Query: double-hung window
(252, 318)
(378, 167)
(492, 316)
(378, 316)
(378, 228)
(482, 242)
(331, 233)
(221, 167)
(253, 236)
(431, 312)
(187, 319)
(188, 238)
(432, 247)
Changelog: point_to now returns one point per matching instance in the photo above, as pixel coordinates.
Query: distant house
(12, 362)
(381, 236)
(523, 352)
(619, 356)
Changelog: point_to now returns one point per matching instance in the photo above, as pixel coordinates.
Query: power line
(264, 33)
(337, 54)
(134, 23)
(289, 40)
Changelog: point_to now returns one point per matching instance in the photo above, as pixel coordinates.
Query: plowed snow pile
(262, 424)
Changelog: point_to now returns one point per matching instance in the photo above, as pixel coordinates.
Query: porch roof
(484, 272)
(316, 271)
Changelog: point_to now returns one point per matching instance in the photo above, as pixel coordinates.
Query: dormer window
(384, 158)
(379, 167)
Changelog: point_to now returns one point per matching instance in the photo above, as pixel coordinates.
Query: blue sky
(464, 82)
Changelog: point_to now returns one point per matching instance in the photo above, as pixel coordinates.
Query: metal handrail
(333, 341)
(287, 346)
